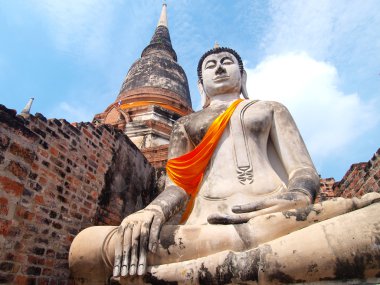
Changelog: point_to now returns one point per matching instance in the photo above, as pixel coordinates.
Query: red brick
(39, 199)
(54, 151)
(26, 154)
(47, 272)
(43, 281)
(17, 169)
(43, 153)
(4, 206)
(49, 262)
(19, 257)
(23, 213)
(21, 280)
(87, 133)
(84, 211)
(10, 186)
(36, 260)
(42, 180)
(5, 227)
(4, 141)
(94, 194)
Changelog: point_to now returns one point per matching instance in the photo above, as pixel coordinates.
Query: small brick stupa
(154, 94)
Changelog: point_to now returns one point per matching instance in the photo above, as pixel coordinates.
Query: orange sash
(187, 170)
(145, 103)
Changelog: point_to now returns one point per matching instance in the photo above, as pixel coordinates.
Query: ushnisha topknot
(218, 50)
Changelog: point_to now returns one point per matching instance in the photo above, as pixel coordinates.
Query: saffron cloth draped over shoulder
(187, 170)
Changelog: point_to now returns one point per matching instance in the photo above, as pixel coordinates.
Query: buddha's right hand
(136, 234)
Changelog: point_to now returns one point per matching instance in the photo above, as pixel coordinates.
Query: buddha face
(221, 74)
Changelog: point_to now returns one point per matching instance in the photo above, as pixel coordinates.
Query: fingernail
(116, 270)
(124, 270)
(154, 248)
(132, 269)
(141, 269)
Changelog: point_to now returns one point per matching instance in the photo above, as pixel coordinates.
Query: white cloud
(324, 28)
(327, 118)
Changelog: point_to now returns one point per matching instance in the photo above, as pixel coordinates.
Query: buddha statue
(241, 171)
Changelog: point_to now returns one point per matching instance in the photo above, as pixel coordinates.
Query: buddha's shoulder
(200, 117)
(270, 105)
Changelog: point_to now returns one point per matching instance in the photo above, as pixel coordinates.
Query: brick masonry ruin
(360, 179)
(55, 180)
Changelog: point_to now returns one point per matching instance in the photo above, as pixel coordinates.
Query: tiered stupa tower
(154, 94)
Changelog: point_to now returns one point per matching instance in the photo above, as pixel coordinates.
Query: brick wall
(360, 179)
(326, 191)
(55, 180)
(157, 156)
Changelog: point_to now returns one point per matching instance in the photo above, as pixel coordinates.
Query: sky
(321, 59)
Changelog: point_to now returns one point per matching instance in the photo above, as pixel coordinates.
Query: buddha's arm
(302, 175)
(140, 231)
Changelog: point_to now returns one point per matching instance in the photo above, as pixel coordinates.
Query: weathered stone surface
(156, 71)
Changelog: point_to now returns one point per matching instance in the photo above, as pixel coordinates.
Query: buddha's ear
(244, 91)
(205, 101)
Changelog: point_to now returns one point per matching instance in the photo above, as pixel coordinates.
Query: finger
(135, 247)
(143, 247)
(269, 210)
(254, 206)
(126, 249)
(118, 251)
(239, 218)
(228, 219)
(154, 234)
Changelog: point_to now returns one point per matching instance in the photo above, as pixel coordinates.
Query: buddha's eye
(227, 61)
(210, 64)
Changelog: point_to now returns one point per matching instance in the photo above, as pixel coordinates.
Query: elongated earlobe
(244, 91)
(205, 100)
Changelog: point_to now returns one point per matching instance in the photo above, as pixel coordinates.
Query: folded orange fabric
(187, 170)
(145, 103)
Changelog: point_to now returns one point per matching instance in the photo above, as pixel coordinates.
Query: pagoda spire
(28, 106)
(160, 42)
(163, 21)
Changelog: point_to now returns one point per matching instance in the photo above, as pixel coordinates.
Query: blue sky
(319, 58)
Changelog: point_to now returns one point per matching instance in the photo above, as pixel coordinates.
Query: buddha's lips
(220, 78)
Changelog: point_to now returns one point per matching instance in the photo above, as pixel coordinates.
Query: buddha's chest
(254, 122)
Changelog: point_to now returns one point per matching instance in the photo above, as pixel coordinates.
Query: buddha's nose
(220, 70)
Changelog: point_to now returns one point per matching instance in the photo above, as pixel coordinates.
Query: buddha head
(221, 71)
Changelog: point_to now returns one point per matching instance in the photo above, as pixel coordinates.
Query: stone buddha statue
(242, 172)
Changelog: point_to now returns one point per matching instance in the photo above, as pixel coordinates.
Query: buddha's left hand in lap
(278, 203)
